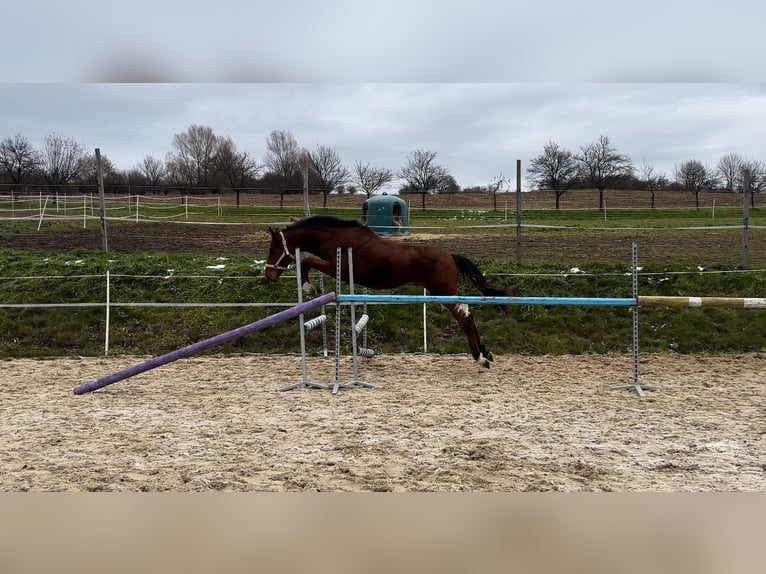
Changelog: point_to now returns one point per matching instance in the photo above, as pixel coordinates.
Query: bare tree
(448, 184)
(692, 175)
(153, 170)
(753, 174)
(651, 180)
(283, 160)
(192, 161)
(63, 160)
(89, 174)
(601, 165)
(133, 177)
(729, 168)
(328, 169)
(236, 167)
(556, 168)
(422, 174)
(18, 159)
(498, 182)
(371, 179)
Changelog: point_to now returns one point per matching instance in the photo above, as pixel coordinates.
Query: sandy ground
(433, 423)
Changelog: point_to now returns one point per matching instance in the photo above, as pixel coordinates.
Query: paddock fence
(110, 302)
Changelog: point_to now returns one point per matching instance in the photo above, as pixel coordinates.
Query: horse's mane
(323, 221)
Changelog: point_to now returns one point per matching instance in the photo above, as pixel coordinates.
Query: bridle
(285, 253)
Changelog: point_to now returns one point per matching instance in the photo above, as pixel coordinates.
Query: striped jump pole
(477, 300)
(361, 329)
(697, 302)
(312, 324)
(209, 343)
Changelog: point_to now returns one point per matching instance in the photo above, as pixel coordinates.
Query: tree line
(199, 160)
(599, 165)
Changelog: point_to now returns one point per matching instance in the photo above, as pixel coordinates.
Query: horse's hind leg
(463, 316)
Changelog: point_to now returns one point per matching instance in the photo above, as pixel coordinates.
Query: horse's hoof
(490, 357)
(483, 362)
(310, 290)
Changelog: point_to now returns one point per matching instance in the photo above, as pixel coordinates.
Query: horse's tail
(468, 269)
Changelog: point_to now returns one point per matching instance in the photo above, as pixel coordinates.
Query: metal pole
(306, 185)
(425, 325)
(355, 383)
(338, 308)
(302, 326)
(636, 386)
(634, 261)
(304, 370)
(354, 355)
(324, 324)
(106, 329)
(518, 211)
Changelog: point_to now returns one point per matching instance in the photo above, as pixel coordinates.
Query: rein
(285, 253)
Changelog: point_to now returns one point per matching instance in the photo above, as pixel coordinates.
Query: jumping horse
(379, 263)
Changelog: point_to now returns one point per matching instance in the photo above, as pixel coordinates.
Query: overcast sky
(477, 129)
(482, 83)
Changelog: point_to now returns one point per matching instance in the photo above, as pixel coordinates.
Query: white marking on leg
(463, 310)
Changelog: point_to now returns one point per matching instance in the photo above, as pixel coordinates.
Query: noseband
(285, 253)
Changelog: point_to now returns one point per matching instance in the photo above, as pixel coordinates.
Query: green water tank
(386, 215)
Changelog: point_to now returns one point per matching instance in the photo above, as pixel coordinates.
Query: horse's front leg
(309, 263)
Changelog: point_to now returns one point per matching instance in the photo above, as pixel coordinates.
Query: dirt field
(434, 423)
(569, 247)
(572, 247)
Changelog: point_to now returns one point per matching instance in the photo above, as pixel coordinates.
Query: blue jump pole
(475, 300)
(206, 344)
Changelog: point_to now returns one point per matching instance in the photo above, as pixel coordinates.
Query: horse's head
(279, 255)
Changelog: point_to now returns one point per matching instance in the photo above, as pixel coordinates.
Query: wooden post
(102, 208)
(305, 184)
(745, 216)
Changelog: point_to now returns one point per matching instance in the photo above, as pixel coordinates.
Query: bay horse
(379, 263)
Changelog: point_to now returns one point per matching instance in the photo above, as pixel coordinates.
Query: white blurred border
(393, 41)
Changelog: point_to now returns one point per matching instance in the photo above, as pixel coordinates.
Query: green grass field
(680, 254)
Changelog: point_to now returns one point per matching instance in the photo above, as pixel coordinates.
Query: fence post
(106, 334)
(518, 211)
(425, 327)
(745, 217)
(101, 206)
(42, 212)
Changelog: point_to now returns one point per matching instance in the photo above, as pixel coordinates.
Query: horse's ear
(272, 231)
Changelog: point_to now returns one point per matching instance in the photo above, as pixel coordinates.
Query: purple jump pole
(206, 344)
